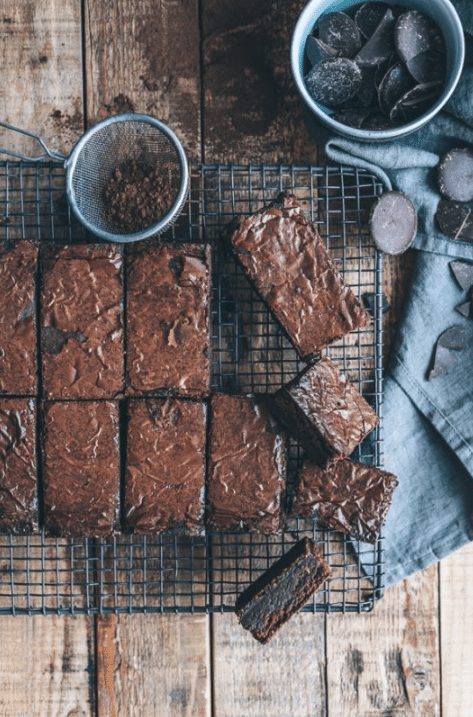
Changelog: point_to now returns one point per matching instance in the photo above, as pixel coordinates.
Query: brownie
(18, 466)
(165, 474)
(247, 466)
(324, 411)
(18, 273)
(351, 497)
(273, 598)
(82, 321)
(81, 470)
(168, 334)
(283, 255)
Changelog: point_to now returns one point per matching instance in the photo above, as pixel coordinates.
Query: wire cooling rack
(169, 573)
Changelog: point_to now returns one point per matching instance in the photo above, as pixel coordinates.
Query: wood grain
(387, 662)
(153, 665)
(47, 667)
(456, 645)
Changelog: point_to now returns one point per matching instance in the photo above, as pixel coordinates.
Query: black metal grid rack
(169, 573)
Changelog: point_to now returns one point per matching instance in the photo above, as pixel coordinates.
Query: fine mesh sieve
(110, 146)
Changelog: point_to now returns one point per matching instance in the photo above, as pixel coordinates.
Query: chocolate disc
(455, 175)
(429, 66)
(380, 46)
(393, 222)
(463, 273)
(368, 17)
(333, 82)
(339, 31)
(316, 50)
(415, 33)
(395, 84)
(455, 220)
(415, 102)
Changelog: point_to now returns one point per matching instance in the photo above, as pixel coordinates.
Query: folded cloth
(427, 425)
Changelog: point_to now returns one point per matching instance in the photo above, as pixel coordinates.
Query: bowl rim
(361, 134)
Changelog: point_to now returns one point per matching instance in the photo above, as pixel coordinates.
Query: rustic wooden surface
(217, 71)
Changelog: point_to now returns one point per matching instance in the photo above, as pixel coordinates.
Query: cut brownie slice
(324, 411)
(283, 255)
(351, 497)
(81, 468)
(247, 466)
(282, 590)
(168, 330)
(18, 467)
(82, 324)
(18, 271)
(165, 476)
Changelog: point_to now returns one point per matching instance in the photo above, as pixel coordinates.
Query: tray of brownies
(192, 423)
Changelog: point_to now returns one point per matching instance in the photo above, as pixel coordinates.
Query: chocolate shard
(463, 273)
(316, 50)
(453, 338)
(368, 16)
(369, 301)
(455, 220)
(465, 309)
(393, 222)
(380, 45)
(332, 82)
(338, 30)
(272, 599)
(415, 33)
(444, 360)
(455, 175)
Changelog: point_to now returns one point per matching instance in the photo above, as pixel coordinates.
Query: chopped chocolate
(453, 338)
(334, 81)
(18, 466)
(463, 273)
(247, 466)
(81, 468)
(165, 466)
(338, 30)
(324, 411)
(316, 50)
(465, 309)
(393, 222)
(347, 496)
(455, 220)
(455, 175)
(448, 344)
(168, 327)
(273, 598)
(18, 270)
(369, 301)
(283, 255)
(81, 321)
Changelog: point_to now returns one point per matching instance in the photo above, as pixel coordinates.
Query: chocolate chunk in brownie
(165, 474)
(82, 322)
(247, 466)
(324, 411)
(282, 590)
(168, 334)
(351, 497)
(81, 468)
(18, 466)
(283, 255)
(18, 272)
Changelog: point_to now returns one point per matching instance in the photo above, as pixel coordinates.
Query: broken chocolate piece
(282, 590)
(463, 273)
(338, 30)
(369, 301)
(449, 343)
(455, 220)
(380, 45)
(316, 50)
(465, 309)
(455, 175)
(376, 121)
(393, 222)
(352, 118)
(415, 33)
(429, 66)
(351, 497)
(333, 82)
(453, 338)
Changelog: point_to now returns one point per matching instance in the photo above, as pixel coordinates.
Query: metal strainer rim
(156, 227)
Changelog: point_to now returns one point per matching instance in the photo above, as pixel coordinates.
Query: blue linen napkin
(427, 425)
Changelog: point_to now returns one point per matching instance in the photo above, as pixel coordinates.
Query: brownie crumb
(137, 195)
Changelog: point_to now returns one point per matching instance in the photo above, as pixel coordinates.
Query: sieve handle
(56, 156)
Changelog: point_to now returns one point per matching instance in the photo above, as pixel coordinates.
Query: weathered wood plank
(387, 662)
(153, 665)
(456, 645)
(47, 667)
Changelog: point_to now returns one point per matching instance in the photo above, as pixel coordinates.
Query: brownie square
(273, 598)
(81, 471)
(351, 497)
(18, 279)
(18, 466)
(82, 322)
(286, 260)
(247, 466)
(168, 328)
(165, 466)
(324, 411)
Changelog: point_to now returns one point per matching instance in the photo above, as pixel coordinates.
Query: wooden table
(218, 72)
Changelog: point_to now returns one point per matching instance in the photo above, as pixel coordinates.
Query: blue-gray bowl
(442, 13)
